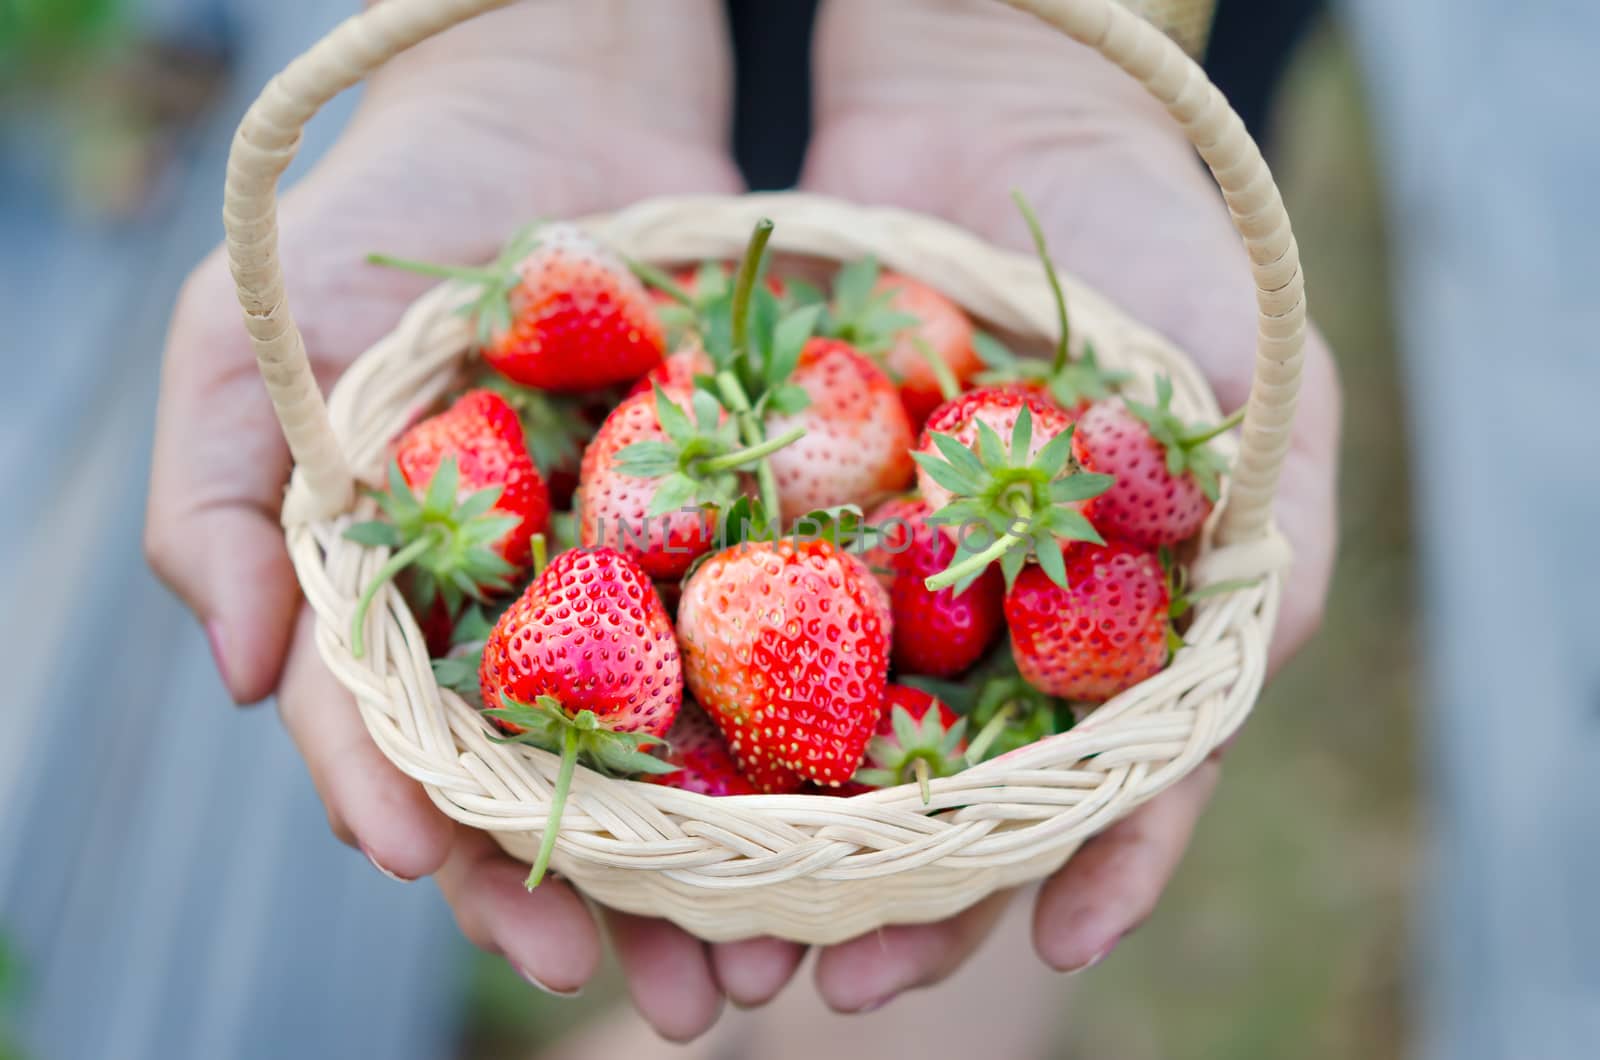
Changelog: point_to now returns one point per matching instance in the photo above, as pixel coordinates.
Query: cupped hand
(550, 109)
(945, 108)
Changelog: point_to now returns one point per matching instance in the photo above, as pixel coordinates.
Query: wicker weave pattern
(803, 867)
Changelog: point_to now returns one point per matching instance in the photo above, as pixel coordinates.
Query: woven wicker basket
(809, 868)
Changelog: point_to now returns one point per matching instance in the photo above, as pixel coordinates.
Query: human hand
(939, 124)
(552, 109)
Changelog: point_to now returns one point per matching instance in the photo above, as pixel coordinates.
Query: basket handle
(269, 136)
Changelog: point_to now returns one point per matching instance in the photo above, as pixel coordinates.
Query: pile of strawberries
(735, 533)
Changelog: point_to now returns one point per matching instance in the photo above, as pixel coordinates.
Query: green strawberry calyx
(699, 463)
(1070, 382)
(1185, 446)
(920, 751)
(859, 313)
(1181, 596)
(1008, 508)
(552, 424)
(448, 543)
(490, 309)
(1007, 712)
(580, 736)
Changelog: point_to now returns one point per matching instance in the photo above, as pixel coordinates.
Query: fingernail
(1096, 959)
(219, 656)
(379, 866)
(875, 1005)
(533, 981)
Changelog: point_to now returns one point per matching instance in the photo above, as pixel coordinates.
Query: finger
(1307, 503)
(669, 975)
(211, 528)
(752, 971)
(1111, 885)
(867, 973)
(546, 934)
(370, 803)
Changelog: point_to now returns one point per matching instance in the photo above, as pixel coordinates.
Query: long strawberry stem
(469, 273)
(750, 454)
(558, 804)
(975, 563)
(657, 278)
(1189, 441)
(920, 770)
(972, 564)
(949, 388)
(744, 283)
(386, 573)
(1037, 232)
(734, 397)
(541, 553)
(989, 733)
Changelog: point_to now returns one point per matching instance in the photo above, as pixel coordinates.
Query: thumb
(217, 475)
(229, 566)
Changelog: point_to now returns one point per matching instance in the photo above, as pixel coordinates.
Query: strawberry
(704, 763)
(856, 448)
(1104, 632)
(556, 426)
(934, 358)
(462, 505)
(941, 633)
(921, 338)
(558, 311)
(917, 738)
(1004, 500)
(677, 373)
(584, 663)
(1167, 477)
(1070, 383)
(653, 478)
(786, 645)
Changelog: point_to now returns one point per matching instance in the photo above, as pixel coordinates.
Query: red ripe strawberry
(856, 448)
(917, 738)
(1167, 477)
(943, 633)
(462, 505)
(1103, 633)
(704, 763)
(558, 311)
(438, 627)
(556, 426)
(677, 373)
(786, 645)
(584, 663)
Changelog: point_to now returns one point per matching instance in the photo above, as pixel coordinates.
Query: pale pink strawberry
(856, 449)
(1167, 477)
